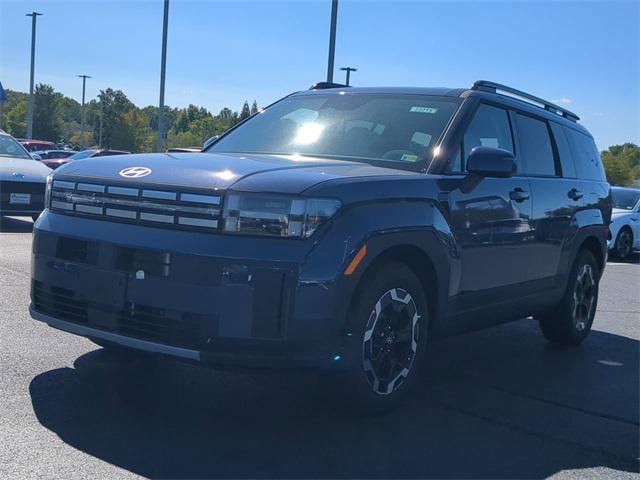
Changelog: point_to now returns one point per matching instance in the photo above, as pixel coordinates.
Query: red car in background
(54, 158)
(33, 145)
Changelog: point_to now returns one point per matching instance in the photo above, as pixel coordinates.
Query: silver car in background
(22, 179)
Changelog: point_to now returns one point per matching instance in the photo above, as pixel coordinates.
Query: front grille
(159, 206)
(170, 327)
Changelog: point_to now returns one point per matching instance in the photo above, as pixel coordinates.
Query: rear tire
(570, 322)
(623, 246)
(384, 353)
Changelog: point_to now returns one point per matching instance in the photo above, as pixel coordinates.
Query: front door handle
(518, 195)
(575, 194)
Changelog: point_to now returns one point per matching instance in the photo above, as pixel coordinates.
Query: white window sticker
(408, 158)
(423, 109)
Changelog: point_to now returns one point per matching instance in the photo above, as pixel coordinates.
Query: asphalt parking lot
(500, 403)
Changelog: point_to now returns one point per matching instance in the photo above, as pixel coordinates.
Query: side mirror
(35, 156)
(491, 162)
(209, 141)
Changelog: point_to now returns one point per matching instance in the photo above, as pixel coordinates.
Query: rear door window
(535, 146)
(490, 127)
(586, 155)
(564, 151)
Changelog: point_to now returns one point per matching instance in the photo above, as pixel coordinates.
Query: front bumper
(172, 292)
(36, 198)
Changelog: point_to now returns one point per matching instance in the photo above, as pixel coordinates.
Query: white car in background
(22, 180)
(625, 222)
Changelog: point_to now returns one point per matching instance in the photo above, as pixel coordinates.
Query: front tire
(624, 243)
(570, 322)
(388, 321)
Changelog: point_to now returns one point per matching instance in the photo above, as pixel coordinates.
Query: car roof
(500, 98)
(54, 150)
(626, 189)
(435, 91)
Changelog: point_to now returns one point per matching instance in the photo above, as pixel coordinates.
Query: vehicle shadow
(499, 404)
(16, 224)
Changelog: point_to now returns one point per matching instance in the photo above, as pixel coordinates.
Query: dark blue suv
(340, 227)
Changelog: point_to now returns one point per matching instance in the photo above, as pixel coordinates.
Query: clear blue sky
(584, 54)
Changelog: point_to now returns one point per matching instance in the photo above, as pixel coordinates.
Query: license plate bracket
(93, 285)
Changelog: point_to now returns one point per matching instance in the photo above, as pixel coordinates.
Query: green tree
(246, 111)
(46, 121)
(187, 116)
(135, 131)
(114, 104)
(622, 164)
(15, 118)
(254, 108)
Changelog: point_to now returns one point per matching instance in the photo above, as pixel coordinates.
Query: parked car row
(56, 158)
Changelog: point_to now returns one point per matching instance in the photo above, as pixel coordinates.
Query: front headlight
(276, 215)
(47, 191)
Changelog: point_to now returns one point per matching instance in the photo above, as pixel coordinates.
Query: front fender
(381, 225)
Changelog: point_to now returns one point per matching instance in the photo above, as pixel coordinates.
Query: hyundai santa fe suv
(340, 227)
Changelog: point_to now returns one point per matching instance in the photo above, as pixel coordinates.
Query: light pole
(348, 70)
(84, 85)
(100, 134)
(33, 16)
(163, 66)
(332, 40)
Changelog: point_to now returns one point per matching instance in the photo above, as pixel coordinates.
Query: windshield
(81, 155)
(625, 199)
(9, 147)
(378, 128)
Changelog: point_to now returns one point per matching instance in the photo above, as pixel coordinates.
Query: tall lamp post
(84, 85)
(332, 40)
(163, 67)
(348, 70)
(3, 98)
(34, 16)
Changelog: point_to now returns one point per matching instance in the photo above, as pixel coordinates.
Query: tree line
(125, 126)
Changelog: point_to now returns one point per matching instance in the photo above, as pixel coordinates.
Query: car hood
(277, 173)
(23, 170)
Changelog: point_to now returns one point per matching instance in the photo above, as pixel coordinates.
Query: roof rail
(325, 85)
(487, 86)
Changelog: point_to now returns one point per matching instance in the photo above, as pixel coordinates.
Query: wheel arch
(423, 254)
(593, 245)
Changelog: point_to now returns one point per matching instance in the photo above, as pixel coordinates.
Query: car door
(556, 195)
(490, 218)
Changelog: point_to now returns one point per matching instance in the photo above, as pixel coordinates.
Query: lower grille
(180, 329)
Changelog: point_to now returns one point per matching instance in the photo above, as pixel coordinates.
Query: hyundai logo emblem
(135, 172)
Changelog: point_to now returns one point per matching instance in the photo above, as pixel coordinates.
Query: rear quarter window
(564, 151)
(586, 156)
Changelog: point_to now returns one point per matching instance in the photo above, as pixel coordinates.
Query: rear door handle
(575, 194)
(518, 195)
